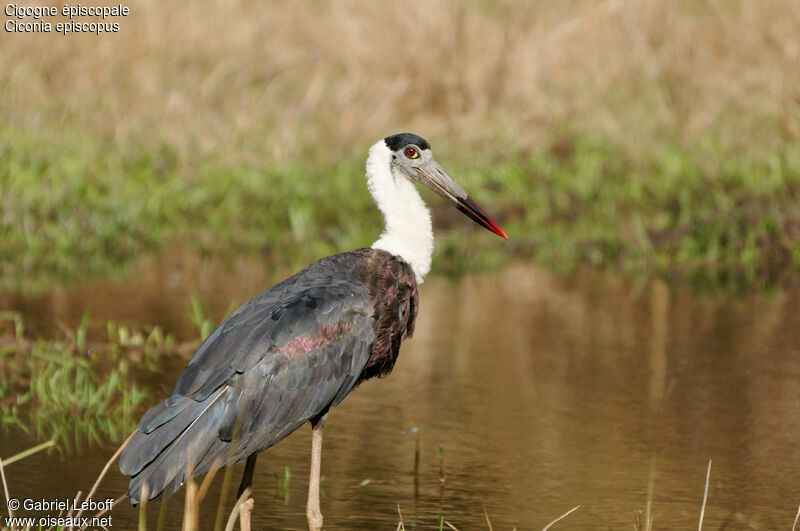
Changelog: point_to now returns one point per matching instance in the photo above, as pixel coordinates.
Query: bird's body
(297, 349)
(278, 362)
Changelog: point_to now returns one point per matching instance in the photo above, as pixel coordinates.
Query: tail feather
(146, 444)
(160, 459)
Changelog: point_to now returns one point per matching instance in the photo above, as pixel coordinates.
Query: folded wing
(282, 359)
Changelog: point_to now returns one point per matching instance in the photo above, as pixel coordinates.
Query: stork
(296, 350)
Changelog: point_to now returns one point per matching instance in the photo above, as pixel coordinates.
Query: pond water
(543, 392)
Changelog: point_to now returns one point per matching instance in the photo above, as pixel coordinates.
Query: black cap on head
(401, 140)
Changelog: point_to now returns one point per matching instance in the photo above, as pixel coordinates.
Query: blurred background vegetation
(657, 137)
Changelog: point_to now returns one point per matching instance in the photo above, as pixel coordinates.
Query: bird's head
(411, 157)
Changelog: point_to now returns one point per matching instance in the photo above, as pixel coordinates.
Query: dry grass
(276, 79)
(659, 136)
(548, 526)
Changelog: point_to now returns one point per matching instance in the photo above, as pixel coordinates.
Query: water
(543, 393)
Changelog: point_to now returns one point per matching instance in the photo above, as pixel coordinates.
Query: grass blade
(28, 452)
(548, 526)
(5, 488)
(705, 497)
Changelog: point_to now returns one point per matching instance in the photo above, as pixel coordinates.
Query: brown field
(278, 79)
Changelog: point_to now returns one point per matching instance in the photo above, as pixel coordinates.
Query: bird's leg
(247, 477)
(313, 512)
(247, 482)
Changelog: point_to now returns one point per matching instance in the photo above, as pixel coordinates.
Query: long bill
(432, 175)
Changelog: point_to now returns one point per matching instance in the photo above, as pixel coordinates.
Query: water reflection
(543, 392)
(157, 291)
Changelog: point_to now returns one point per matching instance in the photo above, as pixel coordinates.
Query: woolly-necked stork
(296, 350)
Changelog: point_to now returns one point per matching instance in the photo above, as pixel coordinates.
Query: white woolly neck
(408, 233)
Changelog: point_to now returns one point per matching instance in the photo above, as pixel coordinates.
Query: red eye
(411, 153)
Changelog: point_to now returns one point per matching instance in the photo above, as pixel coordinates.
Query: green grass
(75, 391)
(706, 212)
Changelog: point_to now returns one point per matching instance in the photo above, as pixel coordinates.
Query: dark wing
(280, 360)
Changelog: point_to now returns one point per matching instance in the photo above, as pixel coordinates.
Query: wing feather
(280, 360)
